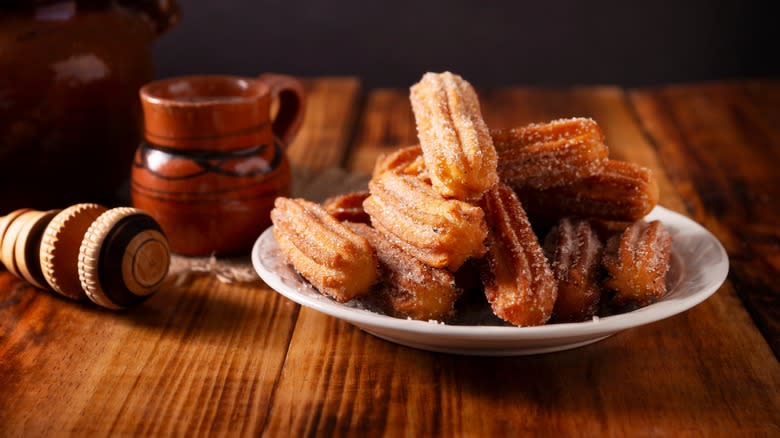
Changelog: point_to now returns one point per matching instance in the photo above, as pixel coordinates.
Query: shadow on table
(627, 375)
(205, 309)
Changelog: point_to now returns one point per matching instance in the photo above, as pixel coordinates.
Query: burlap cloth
(314, 186)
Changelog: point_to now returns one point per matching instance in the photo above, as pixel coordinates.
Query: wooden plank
(721, 143)
(385, 125)
(703, 372)
(201, 358)
(185, 360)
(331, 109)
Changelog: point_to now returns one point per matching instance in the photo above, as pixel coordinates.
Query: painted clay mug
(213, 159)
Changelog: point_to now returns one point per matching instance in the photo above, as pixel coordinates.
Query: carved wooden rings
(117, 258)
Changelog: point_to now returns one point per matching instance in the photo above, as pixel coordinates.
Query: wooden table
(216, 359)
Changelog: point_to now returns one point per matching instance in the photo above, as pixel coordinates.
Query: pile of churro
(539, 218)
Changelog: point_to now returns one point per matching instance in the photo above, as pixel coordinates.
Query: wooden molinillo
(117, 258)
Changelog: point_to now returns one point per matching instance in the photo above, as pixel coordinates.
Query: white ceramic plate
(699, 267)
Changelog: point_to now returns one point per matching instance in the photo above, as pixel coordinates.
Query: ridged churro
(519, 283)
(440, 232)
(574, 251)
(636, 262)
(623, 191)
(407, 160)
(456, 144)
(543, 155)
(409, 288)
(348, 207)
(334, 259)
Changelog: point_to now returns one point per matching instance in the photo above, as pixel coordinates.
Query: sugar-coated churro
(440, 232)
(636, 262)
(407, 160)
(456, 144)
(348, 207)
(574, 251)
(409, 288)
(623, 191)
(543, 155)
(334, 259)
(519, 283)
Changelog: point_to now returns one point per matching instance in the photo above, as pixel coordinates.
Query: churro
(574, 251)
(407, 160)
(348, 207)
(519, 283)
(636, 262)
(623, 191)
(334, 259)
(409, 288)
(440, 232)
(455, 141)
(543, 155)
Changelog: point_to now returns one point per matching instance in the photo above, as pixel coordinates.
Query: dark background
(391, 43)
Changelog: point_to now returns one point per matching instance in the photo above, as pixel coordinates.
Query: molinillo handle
(117, 258)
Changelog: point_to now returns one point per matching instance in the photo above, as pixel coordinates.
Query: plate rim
(599, 326)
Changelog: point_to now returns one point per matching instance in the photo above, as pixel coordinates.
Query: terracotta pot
(213, 160)
(69, 114)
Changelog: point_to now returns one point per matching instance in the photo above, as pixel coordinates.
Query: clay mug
(213, 159)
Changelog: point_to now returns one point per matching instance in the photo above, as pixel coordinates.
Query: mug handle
(292, 101)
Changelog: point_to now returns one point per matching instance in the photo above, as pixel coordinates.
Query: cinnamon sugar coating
(636, 262)
(574, 251)
(409, 288)
(338, 262)
(519, 283)
(456, 144)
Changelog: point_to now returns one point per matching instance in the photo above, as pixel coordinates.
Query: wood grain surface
(207, 358)
(730, 133)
